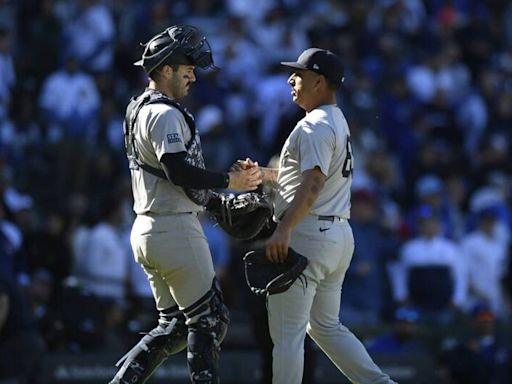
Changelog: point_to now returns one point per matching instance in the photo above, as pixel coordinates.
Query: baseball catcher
(242, 216)
(171, 185)
(267, 278)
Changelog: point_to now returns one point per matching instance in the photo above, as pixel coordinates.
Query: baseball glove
(264, 277)
(241, 216)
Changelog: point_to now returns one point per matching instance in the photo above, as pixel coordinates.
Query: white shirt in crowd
(486, 259)
(105, 266)
(65, 94)
(92, 35)
(428, 252)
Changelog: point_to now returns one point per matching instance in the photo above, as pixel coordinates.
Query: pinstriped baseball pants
(314, 308)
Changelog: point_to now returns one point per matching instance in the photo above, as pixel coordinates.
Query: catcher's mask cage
(179, 44)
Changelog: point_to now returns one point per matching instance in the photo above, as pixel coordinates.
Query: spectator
(403, 339)
(7, 73)
(492, 156)
(277, 37)
(21, 346)
(69, 101)
(435, 301)
(486, 256)
(22, 132)
(238, 57)
(105, 272)
(40, 295)
(217, 146)
(12, 263)
(104, 269)
(47, 248)
(441, 72)
(364, 287)
(272, 100)
(91, 36)
(481, 356)
(83, 333)
(40, 36)
(495, 199)
(77, 228)
(430, 191)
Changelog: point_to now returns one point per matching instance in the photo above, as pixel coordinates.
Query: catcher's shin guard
(168, 338)
(205, 336)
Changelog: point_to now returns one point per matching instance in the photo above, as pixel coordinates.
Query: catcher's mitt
(241, 216)
(264, 277)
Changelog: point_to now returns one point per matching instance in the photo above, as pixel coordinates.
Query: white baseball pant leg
(174, 253)
(314, 308)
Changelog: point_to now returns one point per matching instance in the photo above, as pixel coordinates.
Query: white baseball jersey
(160, 128)
(321, 139)
(167, 241)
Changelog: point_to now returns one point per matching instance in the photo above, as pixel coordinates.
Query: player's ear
(167, 72)
(319, 82)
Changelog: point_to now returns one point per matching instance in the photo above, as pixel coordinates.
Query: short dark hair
(155, 73)
(333, 86)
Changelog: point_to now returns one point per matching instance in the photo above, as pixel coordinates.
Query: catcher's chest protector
(194, 154)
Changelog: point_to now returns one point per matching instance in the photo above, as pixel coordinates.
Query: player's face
(303, 83)
(181, 81)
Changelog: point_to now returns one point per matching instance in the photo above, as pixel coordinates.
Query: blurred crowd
(428, 98)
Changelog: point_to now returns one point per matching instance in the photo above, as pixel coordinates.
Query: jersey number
(348, 169)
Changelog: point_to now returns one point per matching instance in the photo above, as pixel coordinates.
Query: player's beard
(178, 88)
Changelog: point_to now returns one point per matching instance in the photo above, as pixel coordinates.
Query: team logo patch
(173, 138)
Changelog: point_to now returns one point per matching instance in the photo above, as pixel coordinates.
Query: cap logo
(315, 66)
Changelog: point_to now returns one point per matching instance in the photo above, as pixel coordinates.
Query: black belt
(328, 218)
(320, 217)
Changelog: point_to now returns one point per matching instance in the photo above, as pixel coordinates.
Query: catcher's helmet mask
(179, 44)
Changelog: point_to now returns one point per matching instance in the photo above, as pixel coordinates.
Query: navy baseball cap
(321, 61)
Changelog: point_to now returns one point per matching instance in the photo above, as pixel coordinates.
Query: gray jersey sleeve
(316, 147)
(167, 133)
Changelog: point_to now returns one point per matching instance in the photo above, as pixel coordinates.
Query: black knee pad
(168, 338)
(204, 339)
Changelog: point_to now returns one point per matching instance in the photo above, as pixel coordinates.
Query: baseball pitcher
(312, 208)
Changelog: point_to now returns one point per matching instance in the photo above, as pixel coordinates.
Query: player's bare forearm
(313, 181)
(270, 177)
(269, 174)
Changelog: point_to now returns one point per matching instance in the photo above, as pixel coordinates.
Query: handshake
(247, 175)
(242, 216)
